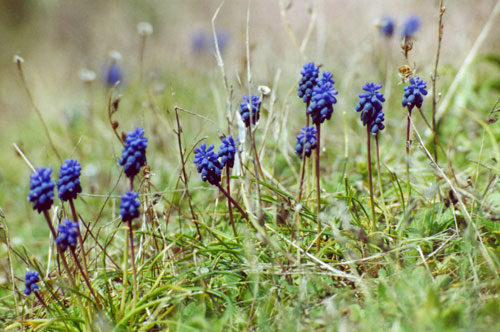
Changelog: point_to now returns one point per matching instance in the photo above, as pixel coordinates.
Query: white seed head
(115, 55)
(298, 207)
(18, 59)
(144, 29)
(87, 75)
(264, 90)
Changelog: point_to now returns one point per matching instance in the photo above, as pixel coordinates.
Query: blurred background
(58, 38)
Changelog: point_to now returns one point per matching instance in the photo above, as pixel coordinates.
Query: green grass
(432, 264)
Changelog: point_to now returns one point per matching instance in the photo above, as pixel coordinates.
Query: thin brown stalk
(66, 267)
(185, 178)
(243, 213)
(452, 170)
(80, 238)
(40, 299)
(85, 277)
(434, 76)
(220, 63)
(468, 61)
(49, 222)
(19, 62)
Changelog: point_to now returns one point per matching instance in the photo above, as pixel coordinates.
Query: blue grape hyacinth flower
(322, 100)
(41, 189)
(306, 141)
(134, 152)
(413, 93)
(222, 38)
(113, 74)
(411, 26)
(208, 164)
(31, 280)
(306, 84)
(199, 41)
(129, 206)
(68, 184)
(370, 106)
(227, 152)
(386, 26)
(254, 103)
(67, 234)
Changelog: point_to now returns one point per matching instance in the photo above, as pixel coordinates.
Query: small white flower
(87, 75)
(298, 207)
(144, 29)
(264, 90)
(18, 59)
(115, 55)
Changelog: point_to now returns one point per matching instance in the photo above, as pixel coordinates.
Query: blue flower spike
(413, 93)
(112, 72)
(129, 207)
(198, 41)
(411, 26)
(68, 184)
(227, 152)
(67, 235)
(370, 106)
(306, 141)
(222, 39)
(322, 100)
(386, 26)
(254, 103)
(31, 280)
(41, 189)
(306, 84)
(134, 152)
(208, 164)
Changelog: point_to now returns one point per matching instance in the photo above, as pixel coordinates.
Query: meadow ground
(421, 253)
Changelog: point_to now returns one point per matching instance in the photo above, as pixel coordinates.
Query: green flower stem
(228, 185)
(379, 176)
(318, 189)
(134, 271)
(368, 146)
(80, 238)
(243, 213)
(132, 252)
(408, 184)
(85, 277)
(66, 267)
(125, 279)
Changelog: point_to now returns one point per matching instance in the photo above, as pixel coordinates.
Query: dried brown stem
(185, 178)
(19, 63)
(80, 238)
(434, 77)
